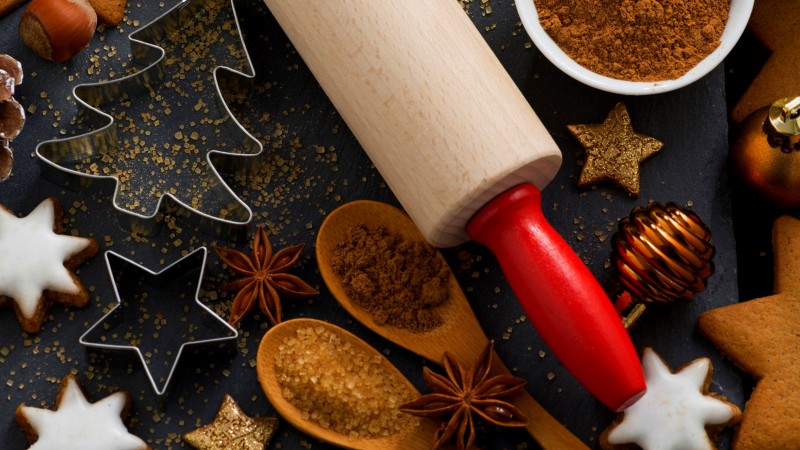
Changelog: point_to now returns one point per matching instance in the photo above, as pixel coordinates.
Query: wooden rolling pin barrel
(465, 155)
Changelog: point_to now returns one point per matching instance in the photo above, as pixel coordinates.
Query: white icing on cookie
(32, 257)
(673, 413)
(80, 425)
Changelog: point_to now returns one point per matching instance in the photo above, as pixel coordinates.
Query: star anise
(264, 278)
(465, 393)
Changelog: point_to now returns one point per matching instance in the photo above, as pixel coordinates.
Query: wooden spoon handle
(543, 427)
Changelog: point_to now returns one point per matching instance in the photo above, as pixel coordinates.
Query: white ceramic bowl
(737, 20)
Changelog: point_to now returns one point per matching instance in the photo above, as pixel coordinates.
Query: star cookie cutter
(87, 161)
(143, 317)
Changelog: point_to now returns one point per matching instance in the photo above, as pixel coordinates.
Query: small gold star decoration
(762, 337)
(232, 429)
(614, 151)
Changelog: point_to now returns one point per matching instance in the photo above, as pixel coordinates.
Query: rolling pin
(466, 156)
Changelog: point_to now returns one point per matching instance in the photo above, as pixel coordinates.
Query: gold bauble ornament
(662, 254)
(766, 154)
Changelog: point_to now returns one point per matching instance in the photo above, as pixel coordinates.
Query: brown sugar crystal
(635, 40)
(339, 386)
(399, 282)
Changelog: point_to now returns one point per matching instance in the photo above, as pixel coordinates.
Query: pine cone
(12, 115)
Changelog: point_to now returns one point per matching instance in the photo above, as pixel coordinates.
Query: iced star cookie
(676, 413)
(36, 263)
(77, 424)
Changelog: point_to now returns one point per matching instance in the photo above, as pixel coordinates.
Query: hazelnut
(58, 29)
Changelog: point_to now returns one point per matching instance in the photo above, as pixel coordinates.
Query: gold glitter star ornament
(614, 151)
(232, 429)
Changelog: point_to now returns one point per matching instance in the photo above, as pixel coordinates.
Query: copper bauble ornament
(766, 153)
(662, 253)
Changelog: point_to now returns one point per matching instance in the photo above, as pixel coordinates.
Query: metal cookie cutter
(158, 315)
(150, 144)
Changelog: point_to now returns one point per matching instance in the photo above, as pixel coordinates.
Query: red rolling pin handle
(562, 299)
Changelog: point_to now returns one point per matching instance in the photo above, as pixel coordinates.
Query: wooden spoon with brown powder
(460, 333)
(276, 345)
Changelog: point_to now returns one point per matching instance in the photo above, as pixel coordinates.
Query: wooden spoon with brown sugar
(413, 435)
(460, 333)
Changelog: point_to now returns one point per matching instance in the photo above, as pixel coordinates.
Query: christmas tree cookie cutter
(151, 144)
(158, 316)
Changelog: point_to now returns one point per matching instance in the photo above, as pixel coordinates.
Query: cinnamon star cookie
(676, 413)
(76, 424)
(762, 337)
(36, 263)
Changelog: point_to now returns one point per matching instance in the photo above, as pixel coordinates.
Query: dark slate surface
(307, 183)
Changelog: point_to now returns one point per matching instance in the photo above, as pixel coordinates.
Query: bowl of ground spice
(635, 47)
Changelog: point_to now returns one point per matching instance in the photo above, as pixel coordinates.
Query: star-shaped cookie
(676, 412)
(762, 336)
(36, 263)
(76, 424)
(232, 428)
(771, 22)
(614, 151)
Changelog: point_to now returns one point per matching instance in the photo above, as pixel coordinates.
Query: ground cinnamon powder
(635, 40)
(399, 282)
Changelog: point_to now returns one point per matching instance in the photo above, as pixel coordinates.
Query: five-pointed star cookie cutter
(141, 318)
(58, 156)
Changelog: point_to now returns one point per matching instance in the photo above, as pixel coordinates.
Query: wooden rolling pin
(466, 156)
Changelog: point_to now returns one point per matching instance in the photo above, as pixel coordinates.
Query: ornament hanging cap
(784, 118)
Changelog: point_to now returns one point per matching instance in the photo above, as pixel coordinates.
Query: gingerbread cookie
(76, 424)
(36, 263)
(762, 337)
(771, 22)
(676, 413)
(109, 12)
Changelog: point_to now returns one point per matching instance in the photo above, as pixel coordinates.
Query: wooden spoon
(417, 435)
(460, 334)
